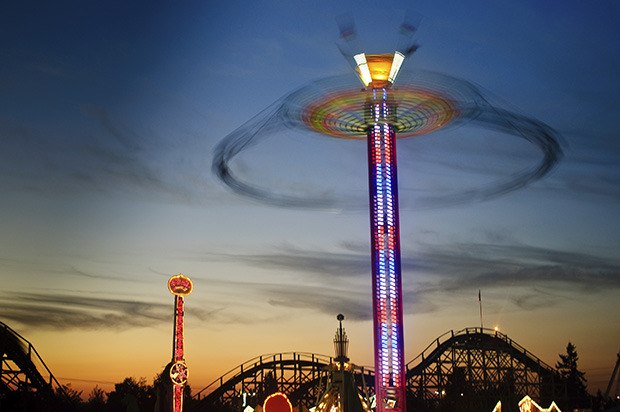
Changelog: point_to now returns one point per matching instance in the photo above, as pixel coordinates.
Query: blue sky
(110, 113)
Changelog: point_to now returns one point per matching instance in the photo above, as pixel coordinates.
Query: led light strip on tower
(383, 193)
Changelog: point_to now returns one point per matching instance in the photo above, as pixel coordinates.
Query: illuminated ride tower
(426, 102)
(378, 72)
(180, 286)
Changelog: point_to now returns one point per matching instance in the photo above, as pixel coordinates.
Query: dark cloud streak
(117, 158)
(442, 272)
(69, 311)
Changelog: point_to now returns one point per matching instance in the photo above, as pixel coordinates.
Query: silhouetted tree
(71, 399)
(96, 400)
(25, 399)
(131, 392)
(574, 379)
(164, 389)
(269, 386)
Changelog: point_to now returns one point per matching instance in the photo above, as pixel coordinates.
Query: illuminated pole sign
(277, 402)
(180, 286)
(378, 72)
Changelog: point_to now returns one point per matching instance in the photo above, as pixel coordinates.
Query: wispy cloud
(123, 134)
(105, 156)
(45, 267)
(329, 300)
(64, 311)
(534, 274)
(338, 281)
(500, 265)
(343, 264)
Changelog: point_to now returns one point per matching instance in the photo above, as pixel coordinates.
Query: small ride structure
(341, 392)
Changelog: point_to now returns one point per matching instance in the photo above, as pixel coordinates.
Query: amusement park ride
(378, 114)
(378, 72)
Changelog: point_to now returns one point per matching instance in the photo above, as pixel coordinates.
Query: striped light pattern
(178, 370)
(178, 330)
(385, 245)
(342, 113)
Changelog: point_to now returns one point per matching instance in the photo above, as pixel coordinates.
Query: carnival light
(378, 70)
(362, 67)
(527, 404)
(277, 402)
(398, 60)
(180, 286)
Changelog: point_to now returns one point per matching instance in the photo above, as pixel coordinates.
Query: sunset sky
(109, 115)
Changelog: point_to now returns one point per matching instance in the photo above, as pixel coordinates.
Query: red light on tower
(277, 402)
(180, 286)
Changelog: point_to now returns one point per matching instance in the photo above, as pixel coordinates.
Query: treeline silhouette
(130, 395)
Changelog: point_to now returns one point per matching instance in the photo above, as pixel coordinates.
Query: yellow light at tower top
(180, 285)
(378, 70)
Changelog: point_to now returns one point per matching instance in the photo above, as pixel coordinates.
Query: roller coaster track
(300, 375)
(481, 361)
(477, 360)
(22, 370)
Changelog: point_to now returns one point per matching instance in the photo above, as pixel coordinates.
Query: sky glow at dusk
(111, 115)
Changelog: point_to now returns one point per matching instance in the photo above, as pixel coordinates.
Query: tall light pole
(180, 286)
